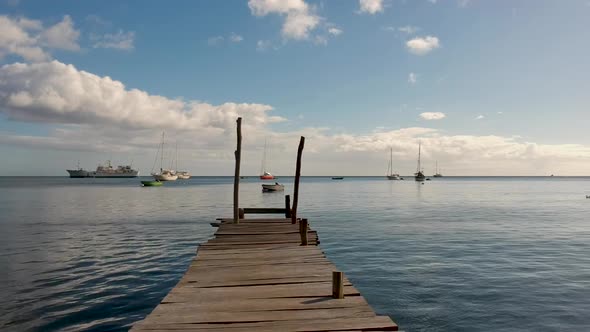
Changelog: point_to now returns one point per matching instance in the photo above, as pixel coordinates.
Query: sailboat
(264, 174)
(390, 174)
(419, 176)
(163, 174)
(182, 175)
(436, 172)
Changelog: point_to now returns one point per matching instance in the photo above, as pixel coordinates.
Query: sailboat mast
(263, 166)
(419, 148)
(390, 168)
(176, 158)
(162, 155)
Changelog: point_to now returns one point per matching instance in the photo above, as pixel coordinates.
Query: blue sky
(489, 87)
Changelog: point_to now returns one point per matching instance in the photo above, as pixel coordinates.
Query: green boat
(151, 183)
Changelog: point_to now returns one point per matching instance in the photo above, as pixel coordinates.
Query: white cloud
(120, 40)
(371, 6)
(432, 115)
(300, 19)
(479, 117)
(235, 37)
(422, 45)
(432, 1)
(408, 29)
(263, 45)
(30, 40)
(412, 78)
(265, 7)
(298, 24)
(86, 112)
(62, 35)
(216, 40)
(500, 112)
(54, 92)
(335, 31)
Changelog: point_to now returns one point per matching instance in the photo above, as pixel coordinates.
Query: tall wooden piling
(337, 285)
(238, 155)
(303, 225)
(287, 206)
(297, 176)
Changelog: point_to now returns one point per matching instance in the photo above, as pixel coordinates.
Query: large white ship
(108, 171)
(105, 171)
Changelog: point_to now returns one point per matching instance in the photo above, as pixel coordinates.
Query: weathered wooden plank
(361, 323)
(255, 276)
(185, 292)
(265, 304)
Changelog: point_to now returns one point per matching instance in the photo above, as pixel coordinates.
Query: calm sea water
(454, 254)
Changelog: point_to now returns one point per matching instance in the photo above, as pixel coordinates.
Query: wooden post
(337, 285)
(238, 155)
(241, 213)
(287, 206)
(297, 176)
(303, 231)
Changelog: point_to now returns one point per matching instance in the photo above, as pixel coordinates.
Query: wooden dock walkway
(256, 276)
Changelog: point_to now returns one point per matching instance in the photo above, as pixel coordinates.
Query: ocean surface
(453, 254)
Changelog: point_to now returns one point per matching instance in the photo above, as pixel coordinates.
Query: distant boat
(338, 178)
(273, 187)
(183, 175)
(390, 174)
(105, 171)
(419, 175)
(265, 175)
(437, 174)
(155, 183)
(163, 174)
(79, 172)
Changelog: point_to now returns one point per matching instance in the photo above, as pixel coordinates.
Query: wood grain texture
(256, 276)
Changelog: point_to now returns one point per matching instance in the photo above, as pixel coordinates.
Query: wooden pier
(256, 276)
(263, 275)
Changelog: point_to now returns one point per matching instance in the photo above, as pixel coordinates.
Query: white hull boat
(183, 175)
(273, 187)
(390, 174)
(165, 176)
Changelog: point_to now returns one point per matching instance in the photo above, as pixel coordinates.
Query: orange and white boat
(264, 174)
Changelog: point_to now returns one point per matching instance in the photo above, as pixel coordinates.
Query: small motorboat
(155, 183)
(338, 178)
(273, 187)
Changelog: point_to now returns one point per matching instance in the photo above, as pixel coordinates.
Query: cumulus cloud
(479, 117)
(120, 40)
(32, 41)
(408, 29)
(299, 18)
(412, 78)
(432, 115)
(62, 35)
(86, 112)
(54, 92)
(422, 45)
(263, 45)
(371, 6)
(335, 31)
(234, 37)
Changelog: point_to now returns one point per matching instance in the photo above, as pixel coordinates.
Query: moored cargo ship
(105, 171)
